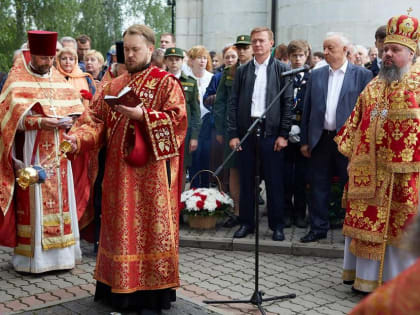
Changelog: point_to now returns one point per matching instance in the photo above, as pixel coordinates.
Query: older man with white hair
(331, 94)
(382, 141)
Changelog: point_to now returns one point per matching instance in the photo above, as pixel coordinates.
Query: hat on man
(42, 43)
(173, 51)
(119, 47)
(403, 30)
(243, 40)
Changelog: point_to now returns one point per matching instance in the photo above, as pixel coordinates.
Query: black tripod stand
(257, 297)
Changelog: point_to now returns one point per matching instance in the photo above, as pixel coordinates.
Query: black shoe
(312, 237)
(260, 200)
(149, 311)
(243, 231)
(359, 292)
(231, 222)
(287, 222)
(300, 222)
(278, 235)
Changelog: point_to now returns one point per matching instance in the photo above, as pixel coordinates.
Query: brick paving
(207, 273)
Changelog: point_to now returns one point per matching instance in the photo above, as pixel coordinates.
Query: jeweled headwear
(403, 30)
(42, 43)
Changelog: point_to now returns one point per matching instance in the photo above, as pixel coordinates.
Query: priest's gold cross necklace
(381, 109)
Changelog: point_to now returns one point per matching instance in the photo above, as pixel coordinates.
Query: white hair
(361, 49)
(343, 38)
(68, 39)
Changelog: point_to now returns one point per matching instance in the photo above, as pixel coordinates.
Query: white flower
(213, 196)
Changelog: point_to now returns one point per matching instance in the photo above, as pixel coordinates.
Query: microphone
(293, 72)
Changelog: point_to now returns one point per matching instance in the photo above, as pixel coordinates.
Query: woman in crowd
(230, 57)
(94, 62)
(67, 64)
(200, 63)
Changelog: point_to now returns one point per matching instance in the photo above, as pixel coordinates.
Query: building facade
(216, 23)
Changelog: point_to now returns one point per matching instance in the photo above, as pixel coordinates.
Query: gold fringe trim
(24, 231)
(365, 285)
(138, 257)
(24, 250)
(349, 275)
(58, 242)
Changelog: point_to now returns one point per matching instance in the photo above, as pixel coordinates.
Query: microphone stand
(257, 297)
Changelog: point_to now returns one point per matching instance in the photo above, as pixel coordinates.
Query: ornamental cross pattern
(154, 113)
(47, 145)
(113, 115)
(50, 203)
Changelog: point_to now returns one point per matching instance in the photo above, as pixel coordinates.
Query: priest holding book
(137, 261)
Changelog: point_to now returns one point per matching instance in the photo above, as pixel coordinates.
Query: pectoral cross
(410, 9)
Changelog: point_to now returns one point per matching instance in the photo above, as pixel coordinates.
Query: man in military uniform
(295, 162)
(173, 59)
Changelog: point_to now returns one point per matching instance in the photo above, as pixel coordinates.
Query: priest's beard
(133, 68)
(393, 73)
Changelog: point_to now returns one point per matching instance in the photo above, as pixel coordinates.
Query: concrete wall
(215, 23)
(359, 19)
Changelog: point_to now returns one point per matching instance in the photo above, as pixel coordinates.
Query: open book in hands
(126, 97)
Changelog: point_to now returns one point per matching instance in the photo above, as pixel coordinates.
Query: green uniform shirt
(190, 87)
(220, 107)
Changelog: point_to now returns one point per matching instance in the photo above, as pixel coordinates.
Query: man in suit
(255, 85)
(331, 94)
(380, 35)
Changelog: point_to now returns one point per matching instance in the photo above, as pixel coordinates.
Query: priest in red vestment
(382, 141)
(401, 295)
(137, 260)
(36, 108)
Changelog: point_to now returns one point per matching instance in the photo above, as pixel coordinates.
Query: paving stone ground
(206, 274)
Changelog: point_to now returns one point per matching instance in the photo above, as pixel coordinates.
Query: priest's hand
(280, 144)
(134, 113)
(47, 123)
(193, 145)
(72, 140)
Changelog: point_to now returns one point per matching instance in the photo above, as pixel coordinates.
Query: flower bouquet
(204, 205)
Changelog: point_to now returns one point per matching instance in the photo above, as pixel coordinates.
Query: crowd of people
(353, 118)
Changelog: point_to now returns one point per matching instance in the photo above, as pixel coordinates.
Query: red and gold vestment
(382, 141)
(26, 98)
(400, 296)
(138, 247)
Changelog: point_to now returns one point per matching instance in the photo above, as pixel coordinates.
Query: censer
(37, 174)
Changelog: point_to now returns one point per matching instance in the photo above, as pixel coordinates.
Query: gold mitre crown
(403, 30)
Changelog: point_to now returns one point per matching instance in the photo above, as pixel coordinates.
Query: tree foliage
(102, 20)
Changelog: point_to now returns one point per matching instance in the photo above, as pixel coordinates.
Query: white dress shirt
(260, 88)
(335, 83)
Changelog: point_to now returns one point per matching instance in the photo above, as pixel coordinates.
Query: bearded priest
(141, 118)
(382, 141)
(37, 105)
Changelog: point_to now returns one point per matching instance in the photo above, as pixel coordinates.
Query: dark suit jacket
(355, 80)
(279, 118)
(374, 67)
